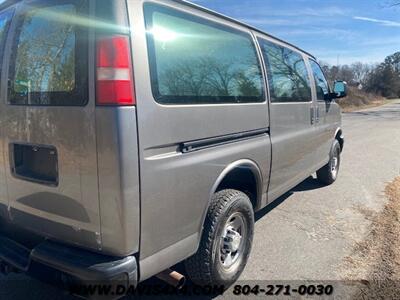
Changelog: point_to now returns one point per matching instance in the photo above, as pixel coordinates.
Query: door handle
(312, 115)
(317, 115)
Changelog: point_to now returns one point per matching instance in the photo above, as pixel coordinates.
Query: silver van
(136, 134)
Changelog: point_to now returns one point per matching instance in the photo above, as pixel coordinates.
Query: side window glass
(49, 62)
(321, 83)
(197, 61)
(287, 74)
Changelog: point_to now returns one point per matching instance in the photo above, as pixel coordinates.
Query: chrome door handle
(317, 115)
(312, 115)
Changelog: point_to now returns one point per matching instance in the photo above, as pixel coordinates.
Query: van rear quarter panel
(118, 171)
(176, 186)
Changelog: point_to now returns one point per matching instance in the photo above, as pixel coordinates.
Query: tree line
(382, 79)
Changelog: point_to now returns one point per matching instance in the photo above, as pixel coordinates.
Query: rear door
(47, 114)
(293, 138)
(5, 20)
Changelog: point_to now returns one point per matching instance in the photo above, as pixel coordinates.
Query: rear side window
(287, 74)
(49, 63)
(321, 83)
(196, 61)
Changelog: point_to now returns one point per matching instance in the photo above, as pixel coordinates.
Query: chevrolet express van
(136, 134)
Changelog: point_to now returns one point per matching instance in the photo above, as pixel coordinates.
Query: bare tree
(207, 76)
(360, 72)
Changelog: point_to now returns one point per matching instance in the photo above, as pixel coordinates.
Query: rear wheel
(328, 173)
(226, 241)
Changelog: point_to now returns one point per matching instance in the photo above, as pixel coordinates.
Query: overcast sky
(354, 30)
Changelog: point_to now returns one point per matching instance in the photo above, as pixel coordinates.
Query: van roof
(202, 8)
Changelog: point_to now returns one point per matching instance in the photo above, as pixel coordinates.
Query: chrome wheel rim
(335, 165)
(233, 241)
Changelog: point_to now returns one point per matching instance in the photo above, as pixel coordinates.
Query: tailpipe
(173, 278)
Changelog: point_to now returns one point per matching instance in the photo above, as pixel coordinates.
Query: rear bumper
(81, 265)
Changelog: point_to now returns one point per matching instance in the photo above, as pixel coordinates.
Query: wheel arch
(226, 180)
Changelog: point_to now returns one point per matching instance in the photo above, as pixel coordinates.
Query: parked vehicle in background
(138, 134)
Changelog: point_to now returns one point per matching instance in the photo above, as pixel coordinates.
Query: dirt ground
(375, 262)
(351, 108)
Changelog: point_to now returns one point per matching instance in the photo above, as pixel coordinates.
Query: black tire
(206, 266)
(328, 173)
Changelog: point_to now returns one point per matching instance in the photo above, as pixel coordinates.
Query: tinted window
(49, 64)
(195, 61)
(321, 83)
(287, 74)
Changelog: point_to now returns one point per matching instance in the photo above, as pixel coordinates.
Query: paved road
(310, 230)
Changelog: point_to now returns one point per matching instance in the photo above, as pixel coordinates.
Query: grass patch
(358, 99)
(375, 262)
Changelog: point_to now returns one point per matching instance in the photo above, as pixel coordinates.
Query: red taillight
(115, 84)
